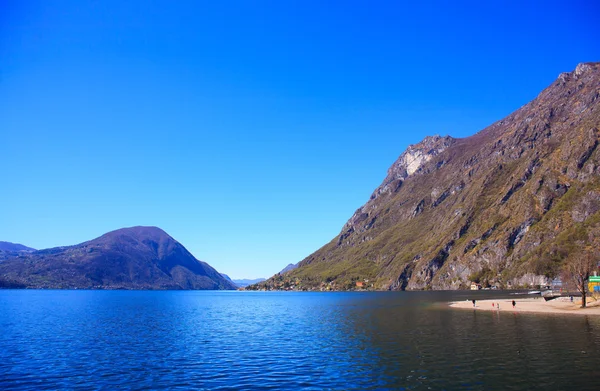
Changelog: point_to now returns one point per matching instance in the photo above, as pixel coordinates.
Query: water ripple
(81, 340)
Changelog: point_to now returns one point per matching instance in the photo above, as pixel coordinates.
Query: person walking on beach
(514, 304)
(473, 303)
(498, 306)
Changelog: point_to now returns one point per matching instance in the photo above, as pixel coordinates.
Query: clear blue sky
(250, 131)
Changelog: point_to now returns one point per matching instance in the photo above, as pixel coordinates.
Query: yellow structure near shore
(594, 284)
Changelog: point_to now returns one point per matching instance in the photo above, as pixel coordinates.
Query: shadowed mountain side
(508, 206)
(14, 247)
(128, 258)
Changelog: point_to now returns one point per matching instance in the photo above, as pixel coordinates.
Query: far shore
(562, 305)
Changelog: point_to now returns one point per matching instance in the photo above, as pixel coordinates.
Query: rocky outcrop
(409, 163)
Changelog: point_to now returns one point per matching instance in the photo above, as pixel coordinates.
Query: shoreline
(538, 305)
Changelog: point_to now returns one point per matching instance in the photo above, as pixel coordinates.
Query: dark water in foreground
(268, 340)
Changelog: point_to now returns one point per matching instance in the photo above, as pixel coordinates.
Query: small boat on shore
(551, 294)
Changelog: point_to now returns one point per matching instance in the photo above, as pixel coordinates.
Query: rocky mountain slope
(507, 206)
(128, 258)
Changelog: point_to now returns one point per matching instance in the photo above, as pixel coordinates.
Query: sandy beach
(561, 305)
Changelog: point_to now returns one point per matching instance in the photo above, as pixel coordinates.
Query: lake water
(283, 340)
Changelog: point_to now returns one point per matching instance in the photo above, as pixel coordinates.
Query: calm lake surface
(283, 340)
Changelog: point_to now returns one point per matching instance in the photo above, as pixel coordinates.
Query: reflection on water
(420, 345)
(284, 340)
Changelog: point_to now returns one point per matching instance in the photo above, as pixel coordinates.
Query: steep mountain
(14, 247)
(508, 206)
(128, 258)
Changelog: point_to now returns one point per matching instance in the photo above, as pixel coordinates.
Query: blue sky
(250, 131)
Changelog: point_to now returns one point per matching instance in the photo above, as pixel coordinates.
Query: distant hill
(14, 247)
(289, 268)
(245, 282)
(128, 258)
(229, 279)
(509, 206)
(241, 283)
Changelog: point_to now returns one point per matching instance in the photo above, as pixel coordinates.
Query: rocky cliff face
(507, 206)
(409, 163)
